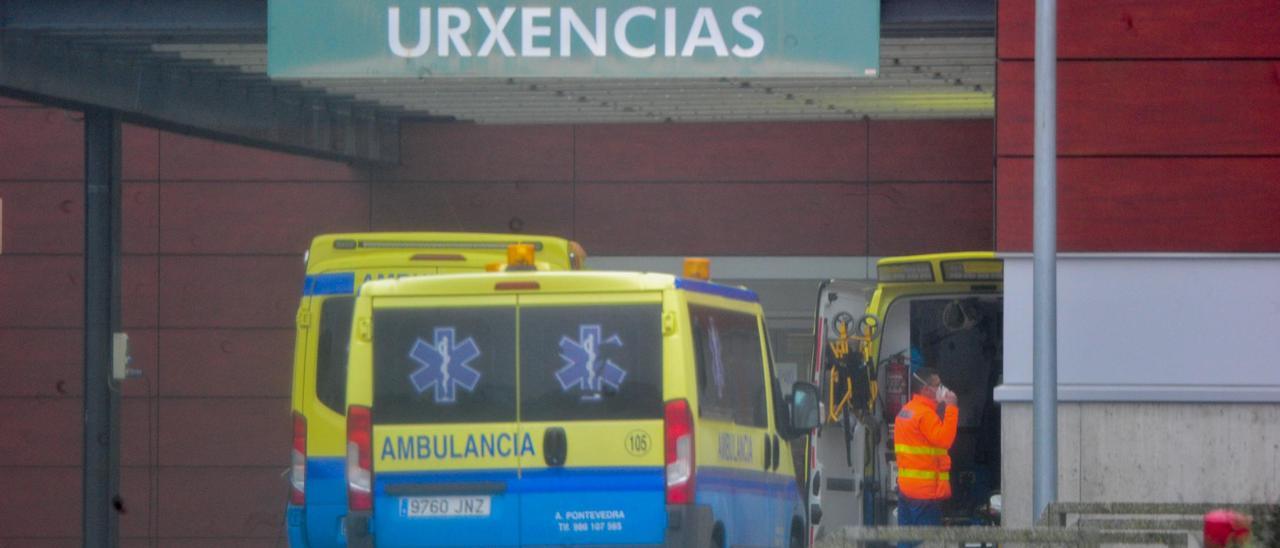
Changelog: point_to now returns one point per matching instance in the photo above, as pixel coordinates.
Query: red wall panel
(1149, 204)
(722, 219)
(138, 419)
(140, 212)
(214, 432)
(932, 150)
(468, 152)
(48, 216)
(250, 218)
(186, 158)
(533, 208)
(238, 362)
(50, 431)
(41, 291)
(1147, 29)
(135, 496)
(229, 291)
(41, 432)
(722, 152)
(909, 218)
(139, 288)
(140, 153)
(43, 502)
(41, 362)
(1148, 108)
(42, 217)
(42, 144)
(232, 502)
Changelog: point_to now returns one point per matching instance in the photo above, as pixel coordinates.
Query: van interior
(961, 337)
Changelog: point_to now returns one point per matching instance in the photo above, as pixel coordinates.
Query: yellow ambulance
(336, 266)
(586, 408)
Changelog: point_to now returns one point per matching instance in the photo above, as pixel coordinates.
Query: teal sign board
(572, 38)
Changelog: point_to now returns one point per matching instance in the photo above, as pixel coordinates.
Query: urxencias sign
(578, 38)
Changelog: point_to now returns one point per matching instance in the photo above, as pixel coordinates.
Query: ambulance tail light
(679, 445)
(298, 470)
(359, 458)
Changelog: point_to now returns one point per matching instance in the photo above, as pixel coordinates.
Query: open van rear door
(836, 450)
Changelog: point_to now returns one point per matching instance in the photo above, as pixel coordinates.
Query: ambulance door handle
(777, 447)
(768, 452)
(555, 446)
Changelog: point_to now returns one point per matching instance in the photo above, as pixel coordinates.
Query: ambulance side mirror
(804, 408)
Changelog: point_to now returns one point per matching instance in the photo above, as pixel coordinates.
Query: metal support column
(101, 319)
(1045, 252)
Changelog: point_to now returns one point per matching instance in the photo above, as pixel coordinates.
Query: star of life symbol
(444, 365)
(583, 368)
(717, 362)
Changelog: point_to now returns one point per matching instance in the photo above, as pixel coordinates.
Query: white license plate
(441, 507)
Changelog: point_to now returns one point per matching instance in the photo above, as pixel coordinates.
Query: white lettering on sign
(541, 27)
(453, 34)
(497, 31)
(582, 521)
(595, 40)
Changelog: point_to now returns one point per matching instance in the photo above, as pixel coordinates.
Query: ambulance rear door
(446, 439)
(836, 451)
(591, 399)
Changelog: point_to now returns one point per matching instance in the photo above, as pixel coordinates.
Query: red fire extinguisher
(895, 389)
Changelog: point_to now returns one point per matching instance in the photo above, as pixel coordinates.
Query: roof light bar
(697, 268)
(384, 244)
(905, 272)
(973, 270)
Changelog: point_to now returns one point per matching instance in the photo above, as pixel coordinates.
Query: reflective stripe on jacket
(921, 441)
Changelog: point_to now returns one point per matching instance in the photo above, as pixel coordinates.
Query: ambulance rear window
(601, 362)
(331, 352)
(444, 365)
(731, 367)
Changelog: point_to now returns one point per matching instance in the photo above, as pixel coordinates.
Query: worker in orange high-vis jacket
(921, 440)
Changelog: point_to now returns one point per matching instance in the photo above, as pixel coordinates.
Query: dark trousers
(918, 513)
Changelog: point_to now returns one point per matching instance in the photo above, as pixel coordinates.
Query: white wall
(1135, 327)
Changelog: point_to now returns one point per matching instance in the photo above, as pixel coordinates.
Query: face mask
(940, 391)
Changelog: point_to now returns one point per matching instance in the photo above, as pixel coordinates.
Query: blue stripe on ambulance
(335, 283)
(326, 500)
(593, 506)
(736, 293)
(749, 502)
(541, 506)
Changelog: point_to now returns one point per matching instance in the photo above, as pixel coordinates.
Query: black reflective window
(730, 366)
(590, 362)
(331, 352)
(444, 365)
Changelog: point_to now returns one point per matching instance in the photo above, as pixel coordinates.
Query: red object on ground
(1225, 528)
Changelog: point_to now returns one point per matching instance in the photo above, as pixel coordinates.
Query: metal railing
(859, 536)
(1096, 523)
